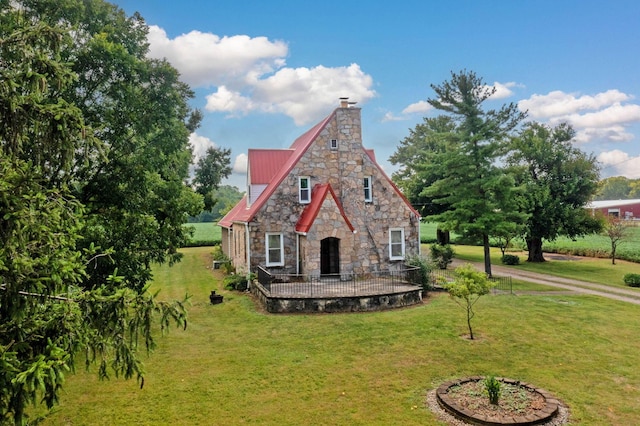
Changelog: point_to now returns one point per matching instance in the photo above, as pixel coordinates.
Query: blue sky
(266, 71)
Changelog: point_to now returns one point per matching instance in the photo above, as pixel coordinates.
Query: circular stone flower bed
(519, 403)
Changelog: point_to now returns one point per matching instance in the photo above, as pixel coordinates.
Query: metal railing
(501, 283)
(338, 285)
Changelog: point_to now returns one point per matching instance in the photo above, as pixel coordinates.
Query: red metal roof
(309, 214)
(227, 220)
(265, 163)
(299, 147)
(286, 160)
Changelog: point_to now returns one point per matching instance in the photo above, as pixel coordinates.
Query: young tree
(478, 194)
(617, 230)
(558, 181)
(467, 288)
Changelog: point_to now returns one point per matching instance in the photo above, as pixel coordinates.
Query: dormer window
(368, 197)
(304, 190)
(334, 144)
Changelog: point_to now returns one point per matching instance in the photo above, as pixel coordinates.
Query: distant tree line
(225, 196)
(618, 188)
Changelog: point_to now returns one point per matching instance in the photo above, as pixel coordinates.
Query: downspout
(419, 238)
(297, 254)
(248, 247)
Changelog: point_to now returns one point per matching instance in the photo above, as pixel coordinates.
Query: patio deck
(340, 293)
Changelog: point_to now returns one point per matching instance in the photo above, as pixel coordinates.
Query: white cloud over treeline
(249, 74)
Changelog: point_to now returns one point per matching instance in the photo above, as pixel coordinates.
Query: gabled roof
(264, 164)
(298, 148)
(227, 220)
(283, 162)
(309, 214)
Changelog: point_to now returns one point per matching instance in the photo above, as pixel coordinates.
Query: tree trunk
(613, 253)
(443, 237)
(487, 255)
(534, 245)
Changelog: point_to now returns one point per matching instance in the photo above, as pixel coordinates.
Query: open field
(590, 245)
(205, 231)
(237, 365)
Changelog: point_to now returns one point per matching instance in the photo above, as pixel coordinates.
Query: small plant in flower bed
(492, 386)
(510, 259)
(632, 280)
(513, 400)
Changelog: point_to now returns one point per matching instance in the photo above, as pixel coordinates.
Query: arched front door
(330, 256)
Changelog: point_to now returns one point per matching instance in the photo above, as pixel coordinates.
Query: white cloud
(621, 162)
(418, 107)
(603, 116)
(250, 75)
(205, 59)
(304, 94)
(240, 164)
(614, 115)
(388, 116)
(558, 103)
(503, 90)
(200, 144)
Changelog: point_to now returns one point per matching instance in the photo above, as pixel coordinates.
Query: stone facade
(344, 167)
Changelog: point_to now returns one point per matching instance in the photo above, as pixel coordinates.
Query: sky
(264, 72)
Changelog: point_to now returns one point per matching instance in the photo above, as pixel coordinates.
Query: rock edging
(550, 409)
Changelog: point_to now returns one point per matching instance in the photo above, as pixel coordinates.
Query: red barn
(624, 209)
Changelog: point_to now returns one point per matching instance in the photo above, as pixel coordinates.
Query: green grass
(237, 365)
(205, 231)
(593, 270)
(591, 245)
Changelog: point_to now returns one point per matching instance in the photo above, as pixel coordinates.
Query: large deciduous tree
(133, 189)
(558, 181)
(478, 194)
(415, 155)
(94, 159)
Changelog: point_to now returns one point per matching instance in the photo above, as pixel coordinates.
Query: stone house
(322, 207)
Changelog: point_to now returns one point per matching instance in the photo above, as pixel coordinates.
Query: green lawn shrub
(425, 267)
(441, 255)
(632, 280)
(510, 259)
(235, 282)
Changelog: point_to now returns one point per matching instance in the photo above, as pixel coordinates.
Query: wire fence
(501, 284)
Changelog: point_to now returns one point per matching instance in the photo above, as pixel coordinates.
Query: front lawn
(237, 365)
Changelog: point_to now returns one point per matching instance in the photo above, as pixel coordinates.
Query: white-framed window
(368, 197)
(396, 243)
(304, 189)
(333, 143)
(275, 249)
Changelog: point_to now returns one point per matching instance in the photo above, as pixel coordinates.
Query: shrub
(218, 255)
(235, 282)
(510, 259)
(632, 280)
(441, 255)
(424, 272)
